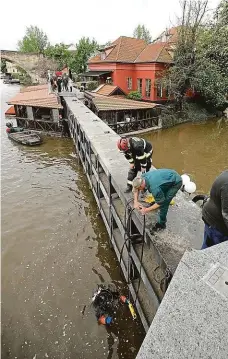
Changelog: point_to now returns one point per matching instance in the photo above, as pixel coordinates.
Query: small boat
(11, 81)
(27, 137)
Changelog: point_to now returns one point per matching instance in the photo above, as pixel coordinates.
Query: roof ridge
(160, 51)
(118, 48)
(141, 52)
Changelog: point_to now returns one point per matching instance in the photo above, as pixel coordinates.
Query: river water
(199, 149)
(55, 247)
(54, 253)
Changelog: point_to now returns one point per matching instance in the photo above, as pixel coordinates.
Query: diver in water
(215, 212)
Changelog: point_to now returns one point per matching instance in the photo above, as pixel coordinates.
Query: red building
(131, 64)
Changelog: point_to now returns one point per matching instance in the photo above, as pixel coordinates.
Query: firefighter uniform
(140, 154)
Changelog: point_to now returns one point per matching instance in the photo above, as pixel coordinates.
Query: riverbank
(192, 112)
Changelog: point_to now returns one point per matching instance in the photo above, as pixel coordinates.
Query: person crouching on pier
(138, 152)
(163, 184)
(215, 213)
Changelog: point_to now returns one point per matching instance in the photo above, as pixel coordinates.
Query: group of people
(163, 184)
(60, 82)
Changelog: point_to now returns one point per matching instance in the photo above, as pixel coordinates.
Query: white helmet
(185, 179)
(190, 187)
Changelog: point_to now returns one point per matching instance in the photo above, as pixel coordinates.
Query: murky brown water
(201, 150)
(54, 252)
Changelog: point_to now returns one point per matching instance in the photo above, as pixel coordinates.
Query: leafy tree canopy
(84, 50)
(59, 53)
(35, 40)
(201, 54)
(141, 32)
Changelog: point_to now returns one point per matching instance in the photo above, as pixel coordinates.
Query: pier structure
(106, 170)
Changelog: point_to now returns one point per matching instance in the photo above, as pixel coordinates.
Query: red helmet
(122, 144)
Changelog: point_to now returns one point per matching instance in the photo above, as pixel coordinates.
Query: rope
(127, 238)
(141, 258)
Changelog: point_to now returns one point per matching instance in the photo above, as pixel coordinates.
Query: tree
(84, 50)
(141, 32)
(211, 78)
(59, 53)
(180, 77)
(35, 40)
(201, 55)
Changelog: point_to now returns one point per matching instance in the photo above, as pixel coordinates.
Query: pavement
(192, 320)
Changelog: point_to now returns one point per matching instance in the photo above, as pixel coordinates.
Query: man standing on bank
(215, 212)
(163, 184)
(138, 152)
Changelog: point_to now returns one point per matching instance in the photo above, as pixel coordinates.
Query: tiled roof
(36, 96)
(10, 111)
(169, 36)
(107, 90)
(112, 103)
(155, 52)
(34, 88)
(125, 49)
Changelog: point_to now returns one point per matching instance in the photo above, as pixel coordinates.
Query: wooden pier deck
(106, 170)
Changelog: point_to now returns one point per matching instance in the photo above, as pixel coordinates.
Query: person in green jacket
(163, 184)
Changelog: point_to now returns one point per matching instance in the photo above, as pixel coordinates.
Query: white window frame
(129, 83)
(148, 88)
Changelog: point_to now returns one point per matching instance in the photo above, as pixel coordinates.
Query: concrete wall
(106, 170)
(55, 114)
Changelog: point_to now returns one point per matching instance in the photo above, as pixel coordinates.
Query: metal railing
(134, 125)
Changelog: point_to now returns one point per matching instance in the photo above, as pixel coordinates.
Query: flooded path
(54, 253)
(199, 149)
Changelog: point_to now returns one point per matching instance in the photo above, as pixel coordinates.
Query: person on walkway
(59, 83)
(70, 84)
(163, 184)
(215, 212)
(138, 152)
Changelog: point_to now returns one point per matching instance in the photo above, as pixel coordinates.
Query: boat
(26, 137)
(11, 81)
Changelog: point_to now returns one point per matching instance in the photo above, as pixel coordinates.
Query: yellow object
(130, 306)
(149, 199)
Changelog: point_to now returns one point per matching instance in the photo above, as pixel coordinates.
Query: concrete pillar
(55, 114)
(159, 121)
(29, 113)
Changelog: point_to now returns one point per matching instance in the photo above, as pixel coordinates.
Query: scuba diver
(215, 212)
(138, 152)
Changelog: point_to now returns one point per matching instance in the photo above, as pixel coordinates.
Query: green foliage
(84, 50)
(3, 65)
(35, 40)
(134, 95)
(59, 53)
(141, 32)
(201, 55)
(92, 85)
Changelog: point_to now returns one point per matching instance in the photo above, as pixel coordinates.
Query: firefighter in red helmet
(138, 152)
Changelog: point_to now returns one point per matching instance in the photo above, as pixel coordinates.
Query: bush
(90, 86)
(134, 95)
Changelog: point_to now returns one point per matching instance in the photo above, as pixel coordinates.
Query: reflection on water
(200, 150)
(54, 253)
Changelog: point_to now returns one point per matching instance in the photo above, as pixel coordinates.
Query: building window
(148, 87)
(139, 85)
(159, 90)
(129, 83)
